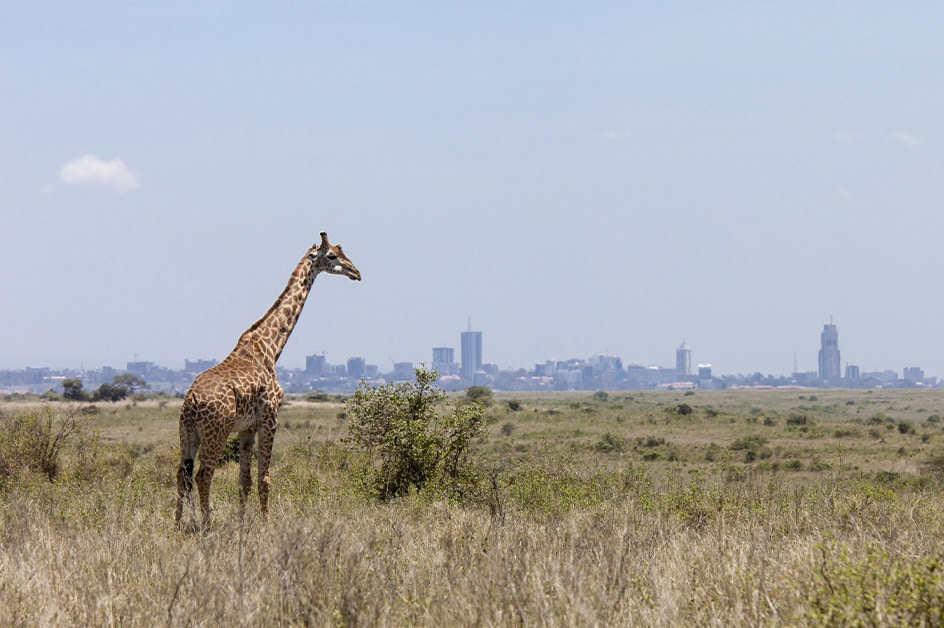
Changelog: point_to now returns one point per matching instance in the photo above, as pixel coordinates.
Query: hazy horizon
(458, 356)
(578, 179)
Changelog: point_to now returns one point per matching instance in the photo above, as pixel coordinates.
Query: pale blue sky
(578, 178)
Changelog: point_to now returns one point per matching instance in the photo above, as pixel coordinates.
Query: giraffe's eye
(332, 255)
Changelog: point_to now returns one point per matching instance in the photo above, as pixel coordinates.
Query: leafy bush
(901, 589)
(611, 443)
(480, 394)
(32, 441)
(411, 439)
(683, 409)
(649, 441)
(798, 418)
(748, 442)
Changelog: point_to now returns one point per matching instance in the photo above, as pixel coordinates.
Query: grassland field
(650, 508)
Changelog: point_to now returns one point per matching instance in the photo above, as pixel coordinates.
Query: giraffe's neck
(268, 335)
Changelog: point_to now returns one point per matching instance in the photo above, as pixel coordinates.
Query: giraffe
(241, 393)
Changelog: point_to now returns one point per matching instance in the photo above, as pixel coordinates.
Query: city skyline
(471, 363)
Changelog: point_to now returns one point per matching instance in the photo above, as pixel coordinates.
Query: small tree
(129, 382)
(72, 390)
(110, 392)
(120, 387)
(411, 438)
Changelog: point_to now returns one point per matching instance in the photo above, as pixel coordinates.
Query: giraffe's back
(226, 397)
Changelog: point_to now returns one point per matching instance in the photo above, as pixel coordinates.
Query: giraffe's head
(330, 258)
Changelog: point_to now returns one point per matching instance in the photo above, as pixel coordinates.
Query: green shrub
(230, 451)
(798, 418)
(411, 440)
(32, 441)
(901, 589)
(611, 443)
(794, 465)
(748, 442)
(479, 394)
(649, 442)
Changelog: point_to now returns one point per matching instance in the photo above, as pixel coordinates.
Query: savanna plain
(649, 508)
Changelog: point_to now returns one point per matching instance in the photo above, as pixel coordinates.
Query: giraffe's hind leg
(210, 451)
(246, 440)
(189, 442)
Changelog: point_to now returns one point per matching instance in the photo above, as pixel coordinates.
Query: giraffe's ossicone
(241, 393)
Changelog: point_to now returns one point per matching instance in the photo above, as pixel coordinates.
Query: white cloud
(905, 139)
(93, 171)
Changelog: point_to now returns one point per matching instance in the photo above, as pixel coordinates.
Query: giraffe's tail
(189, 443)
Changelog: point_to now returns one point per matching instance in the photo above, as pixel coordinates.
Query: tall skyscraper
(830, 366)
(683, 362)
(471, 353)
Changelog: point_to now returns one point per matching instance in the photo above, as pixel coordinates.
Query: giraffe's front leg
(246, 439)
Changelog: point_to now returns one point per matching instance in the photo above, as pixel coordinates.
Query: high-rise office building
(914, 374)
(315, 365)
(356, 368)
(444, 360)
(852, 372)
(471, 353)
(683, 362)
(830, 366)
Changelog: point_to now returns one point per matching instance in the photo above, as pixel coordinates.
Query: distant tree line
(119, 388)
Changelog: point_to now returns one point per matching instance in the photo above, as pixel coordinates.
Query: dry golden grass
(826, 524)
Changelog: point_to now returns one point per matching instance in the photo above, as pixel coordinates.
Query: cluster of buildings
(594, 373)
(831, 374)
